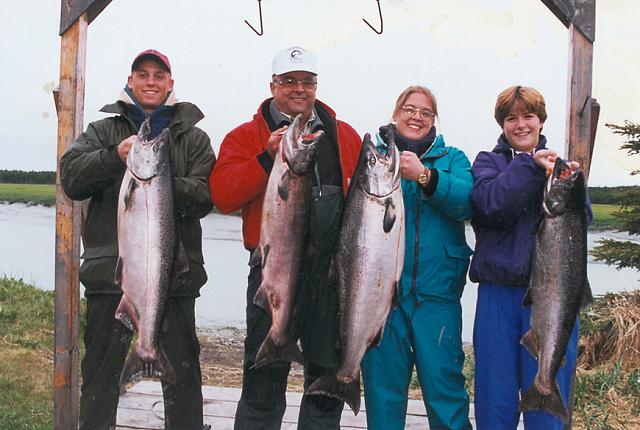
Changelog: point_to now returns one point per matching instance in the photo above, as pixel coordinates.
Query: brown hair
(402, 98)
(519, 99)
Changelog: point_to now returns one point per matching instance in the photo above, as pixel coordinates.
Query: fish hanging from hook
(261, 32)
(381, 21)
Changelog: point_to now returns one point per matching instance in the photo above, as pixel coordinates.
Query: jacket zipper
(416, 246)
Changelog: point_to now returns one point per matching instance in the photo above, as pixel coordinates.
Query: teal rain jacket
(436, 252)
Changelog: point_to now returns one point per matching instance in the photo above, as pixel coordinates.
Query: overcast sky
(466, 51)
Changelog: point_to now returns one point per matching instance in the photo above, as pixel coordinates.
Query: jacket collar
(437, 150)
(185, 114)
(317, 105)
(503, 147)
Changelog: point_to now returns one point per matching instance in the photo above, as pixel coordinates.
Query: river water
(27, 253)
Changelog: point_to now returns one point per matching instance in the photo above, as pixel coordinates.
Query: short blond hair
(404, 95)
(519, 99)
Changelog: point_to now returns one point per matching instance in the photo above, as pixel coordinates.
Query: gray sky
(466, 51)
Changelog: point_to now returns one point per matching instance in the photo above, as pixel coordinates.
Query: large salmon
(559, 285)
(283, 232)
(369, 263)
(146, 245)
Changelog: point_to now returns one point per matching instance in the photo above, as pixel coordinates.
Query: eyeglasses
(307, 83)
(412, 110)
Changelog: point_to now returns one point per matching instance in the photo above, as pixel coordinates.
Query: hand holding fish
(124, 147)
(546, 159)
(273, 144)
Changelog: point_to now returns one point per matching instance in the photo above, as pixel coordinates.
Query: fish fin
(256, 258)
(377, 339)
(127, 195)
(587, 295)
(395, 300)
(127, 314)
(530, 342)
(269, 352)
(117, 279)
(136, 368)
(261, 299)
(389, 215)
(265, 255)
(528, 298)
(283, 186)
(553, 403)
(329, 385)
(133, 369)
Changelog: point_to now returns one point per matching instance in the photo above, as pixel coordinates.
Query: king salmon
(369, 263)
(283, 233)
(146, 247)
(558, 286)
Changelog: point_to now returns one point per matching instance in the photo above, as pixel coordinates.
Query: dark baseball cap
(151, 54)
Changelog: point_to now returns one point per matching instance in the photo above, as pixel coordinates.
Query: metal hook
(261, 28)
(381, 22)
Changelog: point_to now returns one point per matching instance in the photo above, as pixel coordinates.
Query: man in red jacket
(239, 182)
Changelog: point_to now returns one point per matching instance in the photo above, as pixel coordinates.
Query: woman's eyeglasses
(412, 110)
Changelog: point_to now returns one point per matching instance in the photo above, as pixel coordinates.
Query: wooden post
(582, 107)
(70, 107)
(582, 122)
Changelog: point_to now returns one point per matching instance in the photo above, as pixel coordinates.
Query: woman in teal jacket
(425, 328)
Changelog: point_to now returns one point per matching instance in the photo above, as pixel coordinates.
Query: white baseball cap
(294, 59)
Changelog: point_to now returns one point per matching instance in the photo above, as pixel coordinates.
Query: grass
(26, 356)
(36, 194)
(603, 218)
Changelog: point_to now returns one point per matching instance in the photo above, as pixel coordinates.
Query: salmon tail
(329, 385)
(136, 368)
(553, 403)
(269, 352)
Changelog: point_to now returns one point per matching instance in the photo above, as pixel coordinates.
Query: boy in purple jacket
(507, 199)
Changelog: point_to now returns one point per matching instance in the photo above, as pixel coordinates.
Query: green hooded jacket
(91, 169)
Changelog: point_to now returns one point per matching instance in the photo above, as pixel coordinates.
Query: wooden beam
(70, 107)
(580, 130)
(71, 10)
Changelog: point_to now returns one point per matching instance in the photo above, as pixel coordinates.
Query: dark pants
(263, 400)
(107, 343)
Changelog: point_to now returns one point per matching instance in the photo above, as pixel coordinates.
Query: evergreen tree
(624, 253)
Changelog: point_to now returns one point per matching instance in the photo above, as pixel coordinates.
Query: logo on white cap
(294, 59)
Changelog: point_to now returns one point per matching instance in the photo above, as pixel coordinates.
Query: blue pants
(426, 334)
(504, 368)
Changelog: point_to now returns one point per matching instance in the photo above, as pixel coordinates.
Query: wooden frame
(75, 17)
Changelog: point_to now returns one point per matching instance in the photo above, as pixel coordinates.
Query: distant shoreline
(32, 195)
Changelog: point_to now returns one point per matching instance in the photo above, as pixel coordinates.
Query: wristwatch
(423, 178)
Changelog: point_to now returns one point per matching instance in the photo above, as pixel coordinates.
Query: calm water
(27, 252)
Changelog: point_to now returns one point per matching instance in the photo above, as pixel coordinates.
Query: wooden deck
(142, 408)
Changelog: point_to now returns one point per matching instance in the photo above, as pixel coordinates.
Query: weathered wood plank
(142, 408)
(70, 107)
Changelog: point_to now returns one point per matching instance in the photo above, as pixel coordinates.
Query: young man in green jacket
(93, 168)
